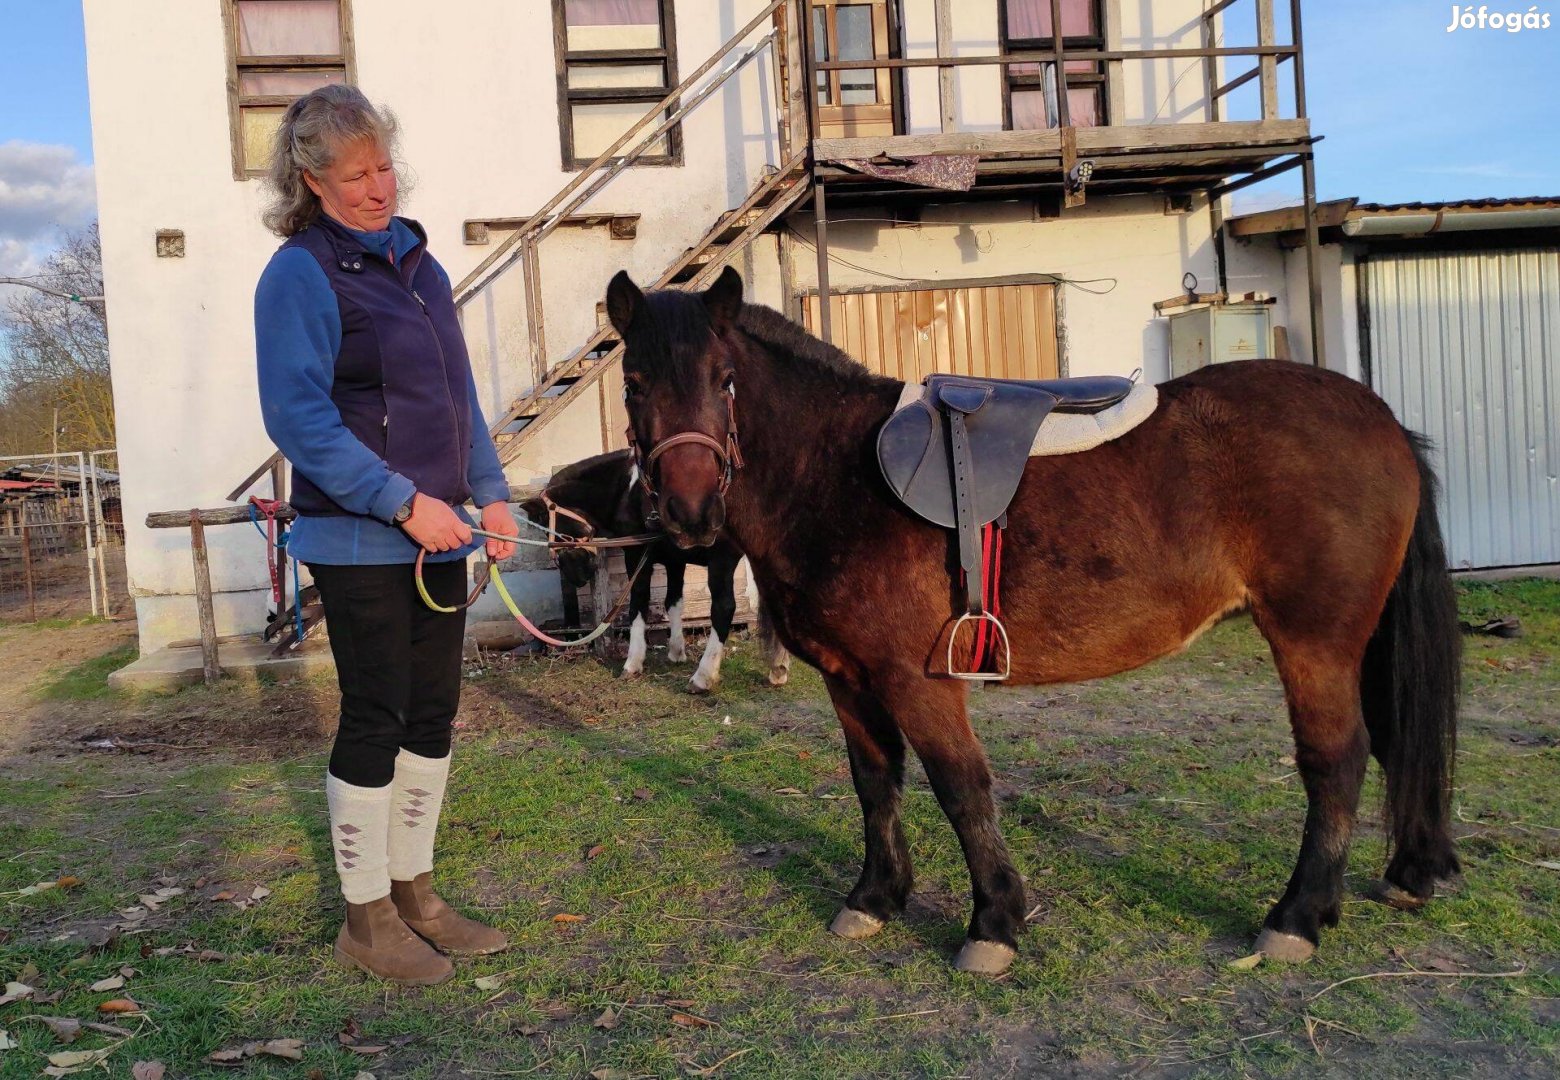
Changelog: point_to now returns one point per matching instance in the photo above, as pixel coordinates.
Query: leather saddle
(957, 455)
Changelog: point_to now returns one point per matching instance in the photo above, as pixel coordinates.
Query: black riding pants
(397, 661)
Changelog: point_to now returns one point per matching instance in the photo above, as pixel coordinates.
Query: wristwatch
(404, 513)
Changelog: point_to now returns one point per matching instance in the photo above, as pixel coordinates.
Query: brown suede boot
(424, 912)
(375, 940)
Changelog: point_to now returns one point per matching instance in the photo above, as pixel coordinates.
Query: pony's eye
(729, 384)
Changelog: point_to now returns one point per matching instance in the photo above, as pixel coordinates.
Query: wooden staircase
(771, 198)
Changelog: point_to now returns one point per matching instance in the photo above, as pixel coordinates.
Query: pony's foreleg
(1331, 748)
(877, 765)
(723, 608)
(931, 713)
(676, 646)
(777, 655)
(639, 613)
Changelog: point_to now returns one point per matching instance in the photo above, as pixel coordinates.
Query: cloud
(43, 188)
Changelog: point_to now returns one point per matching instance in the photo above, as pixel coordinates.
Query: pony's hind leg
(877, 765)
(1331, 749)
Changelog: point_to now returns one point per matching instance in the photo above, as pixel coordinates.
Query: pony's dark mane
(782, 336)
(674, 334)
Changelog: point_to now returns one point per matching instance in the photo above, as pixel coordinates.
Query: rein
(496, 579)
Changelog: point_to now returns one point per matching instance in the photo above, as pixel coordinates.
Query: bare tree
(55, 356)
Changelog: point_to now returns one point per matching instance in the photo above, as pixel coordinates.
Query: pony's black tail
(1409, 688)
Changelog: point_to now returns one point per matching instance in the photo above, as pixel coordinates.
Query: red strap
(984, 655)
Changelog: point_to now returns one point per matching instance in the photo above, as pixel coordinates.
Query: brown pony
(1262, 486)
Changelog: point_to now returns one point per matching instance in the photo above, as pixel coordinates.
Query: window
(616, 59)
(1031, 88)
(279, 50)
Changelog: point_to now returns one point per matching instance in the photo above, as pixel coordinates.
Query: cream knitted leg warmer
(359, 835)
(417, 795)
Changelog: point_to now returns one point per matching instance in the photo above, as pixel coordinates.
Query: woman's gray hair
(314, 129)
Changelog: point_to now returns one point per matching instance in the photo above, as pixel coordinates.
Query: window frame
(237, 65)
(666, 55)
(1075, 79)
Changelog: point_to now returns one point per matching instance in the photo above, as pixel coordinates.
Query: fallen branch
(1425, 975)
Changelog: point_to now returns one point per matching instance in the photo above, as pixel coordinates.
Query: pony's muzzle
(693, 525)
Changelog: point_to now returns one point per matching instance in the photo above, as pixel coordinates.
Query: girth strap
(964, 508)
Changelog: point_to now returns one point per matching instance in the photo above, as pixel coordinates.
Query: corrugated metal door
(1003, 331)
(1465, 347)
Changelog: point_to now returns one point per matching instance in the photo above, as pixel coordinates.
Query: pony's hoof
(698, 689)
(1284, 948)
(984, 958)
(677, 656)
(855, 925)
(631, 674)
(779, 676)
(1384, 892)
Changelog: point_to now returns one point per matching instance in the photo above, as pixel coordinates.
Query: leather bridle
(729, 454)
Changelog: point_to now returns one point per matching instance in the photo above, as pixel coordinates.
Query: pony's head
(576, 565)
(679, 386)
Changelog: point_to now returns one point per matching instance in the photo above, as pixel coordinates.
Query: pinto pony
(601, 494)
(1269, 487)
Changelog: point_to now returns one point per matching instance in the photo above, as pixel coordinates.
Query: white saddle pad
(1073, 433)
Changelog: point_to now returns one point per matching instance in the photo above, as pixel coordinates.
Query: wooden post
(1063, 108)
(1267, 64)
(821, 225)
(533, 306)
(27, 573)
(945, 74)
(211, 669)
(601, 600)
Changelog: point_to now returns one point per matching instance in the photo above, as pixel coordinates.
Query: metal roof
(1533, 202)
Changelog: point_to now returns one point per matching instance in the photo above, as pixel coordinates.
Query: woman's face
(358, 188)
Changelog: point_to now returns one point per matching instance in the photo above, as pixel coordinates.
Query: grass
(89, 679)
(1154, 815)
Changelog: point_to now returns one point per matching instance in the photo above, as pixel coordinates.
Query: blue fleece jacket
(297, 339)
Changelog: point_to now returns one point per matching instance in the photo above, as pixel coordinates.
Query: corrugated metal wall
(1465, 347)
(1005, 331)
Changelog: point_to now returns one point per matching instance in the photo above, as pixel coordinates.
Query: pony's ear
(724, 299)
(623, 300)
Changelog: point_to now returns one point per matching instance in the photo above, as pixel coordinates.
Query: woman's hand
(435, 526)
(496, 518)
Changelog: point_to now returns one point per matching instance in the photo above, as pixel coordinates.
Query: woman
(366, 388)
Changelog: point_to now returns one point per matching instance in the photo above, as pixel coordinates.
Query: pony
(1267, 487)
(601, 496)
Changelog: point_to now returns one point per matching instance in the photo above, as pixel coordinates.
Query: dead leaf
(803, 755)
(42, 886)
(200, 883)
(148, 1070)
(790, 792)
(598, 849)
(110, 1029)
(359, 1048)
(28, 973)
(6, 1042)
(643, 794)
(211, 956)
(688, 1020)
(260, 893)
(112, 983)
(364, 1076)
(565, 918)
(608, 1073)
(680, 1003)
(119, 1005)
(291, 1049)
(15, 991)
(66, 1029)
(1543, 864)
(489, 982)
(78, 1059)
(607, 1020)
(1245, 963)
(128, 972)
(225, 894)
(226, 1057)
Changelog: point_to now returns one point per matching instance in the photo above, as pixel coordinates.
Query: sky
(1409, 111)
